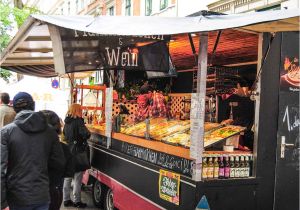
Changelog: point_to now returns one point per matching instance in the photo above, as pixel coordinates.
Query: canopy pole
(198, 104)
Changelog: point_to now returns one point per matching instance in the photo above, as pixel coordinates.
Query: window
(163, 4)
(274, 7)
(128, 7)
(99, 77)
(82, 4)
(69, 7)
(111, 11)
(77, 6)
(148, 9)
(62, 11)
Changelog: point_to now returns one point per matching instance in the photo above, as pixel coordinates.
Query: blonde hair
(74, 111)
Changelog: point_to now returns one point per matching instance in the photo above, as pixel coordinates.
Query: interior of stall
(152, 109)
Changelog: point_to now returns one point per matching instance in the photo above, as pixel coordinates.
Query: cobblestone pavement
(86, 197)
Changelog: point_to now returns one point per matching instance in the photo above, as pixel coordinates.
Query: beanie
(23, 101)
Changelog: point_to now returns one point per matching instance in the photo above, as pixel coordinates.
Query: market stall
(172, 146)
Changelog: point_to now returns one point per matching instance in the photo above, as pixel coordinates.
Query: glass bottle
(210, 168)
(237, 166)
(232, 167)
(204, 168)
(247, 167)
(221, 168)
(226, 168)
(216, 168)
(242, 167)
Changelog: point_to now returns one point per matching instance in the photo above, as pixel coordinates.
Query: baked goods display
(177, 132)
(221, 133)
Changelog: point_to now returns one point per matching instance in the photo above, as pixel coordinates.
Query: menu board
(169, 183)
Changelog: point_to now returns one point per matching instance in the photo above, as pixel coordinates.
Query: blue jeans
(44, 206)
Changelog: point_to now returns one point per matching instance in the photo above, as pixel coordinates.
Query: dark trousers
(56, 197)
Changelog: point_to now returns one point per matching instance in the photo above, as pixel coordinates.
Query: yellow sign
(169, 183)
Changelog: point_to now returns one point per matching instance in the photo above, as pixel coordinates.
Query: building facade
(167, 8)
(240, 6)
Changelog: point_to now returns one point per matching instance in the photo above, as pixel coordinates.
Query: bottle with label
(250, 164)
(226, 168)
(210, 168)
(242, 167)
(247, 167)
(204, 168)
(237, 166)
(221, 168)
(232, 167)
(216, 168)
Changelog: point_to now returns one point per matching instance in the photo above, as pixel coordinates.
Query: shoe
(80, 205)
(68, 203)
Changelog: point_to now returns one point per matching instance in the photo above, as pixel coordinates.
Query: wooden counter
(151, 144)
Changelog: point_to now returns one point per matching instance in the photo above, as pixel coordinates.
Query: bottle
(216, 168)
(221, 168)
(232, 167)
(210, 168)
(250, 165)
(204, 168)
(226, 168)
(247, 167)
(237, 166)
(242, 167)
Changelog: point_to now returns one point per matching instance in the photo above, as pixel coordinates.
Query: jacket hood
(30, 121)
(69, 119)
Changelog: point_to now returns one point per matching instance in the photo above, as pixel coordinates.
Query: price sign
(169, 186)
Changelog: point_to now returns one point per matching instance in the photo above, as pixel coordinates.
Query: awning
(31, 50)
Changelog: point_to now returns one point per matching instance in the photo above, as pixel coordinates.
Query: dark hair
(52, 119)
(5, 98)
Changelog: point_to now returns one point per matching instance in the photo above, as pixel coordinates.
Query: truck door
(287, 157)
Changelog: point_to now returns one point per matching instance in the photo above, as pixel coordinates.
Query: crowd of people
(41, 155)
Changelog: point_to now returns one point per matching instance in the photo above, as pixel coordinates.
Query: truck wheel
(99, 192)
(109, 200)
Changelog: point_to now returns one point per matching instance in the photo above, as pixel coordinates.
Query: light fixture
(193, 34)
(90, 63)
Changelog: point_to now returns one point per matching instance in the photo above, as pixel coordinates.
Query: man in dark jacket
(28, 146)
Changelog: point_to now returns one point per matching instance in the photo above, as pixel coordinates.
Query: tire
(109, 201)
(99, 193)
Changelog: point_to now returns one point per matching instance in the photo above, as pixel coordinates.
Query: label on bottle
(247, 172)
(216, 172)
(210, 172)
(227, 172)
(232, 172)
(237, 172)
(221, 172)
(204, 172)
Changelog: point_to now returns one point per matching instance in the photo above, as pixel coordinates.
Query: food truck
(199, 112)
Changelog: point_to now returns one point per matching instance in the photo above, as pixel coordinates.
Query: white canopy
(31, 50)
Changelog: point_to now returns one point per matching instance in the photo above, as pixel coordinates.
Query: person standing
(76, 135)
(7, 113)
(56, 176)
(28, 147)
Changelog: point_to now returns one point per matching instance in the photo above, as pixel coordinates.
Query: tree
(10, 17)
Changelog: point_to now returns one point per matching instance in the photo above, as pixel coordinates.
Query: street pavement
(86, 197)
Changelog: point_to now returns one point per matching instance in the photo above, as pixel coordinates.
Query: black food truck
(199, 112)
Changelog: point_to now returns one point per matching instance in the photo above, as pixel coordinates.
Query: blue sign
(203, 204)
(55, 83)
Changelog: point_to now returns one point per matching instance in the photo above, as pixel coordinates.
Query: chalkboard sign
(169, 186)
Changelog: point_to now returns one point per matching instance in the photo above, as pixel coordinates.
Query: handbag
(81, 157)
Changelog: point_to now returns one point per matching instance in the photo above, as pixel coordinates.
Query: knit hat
(23, 101)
